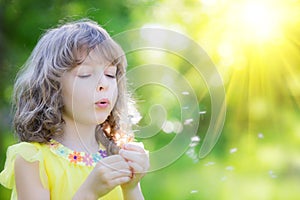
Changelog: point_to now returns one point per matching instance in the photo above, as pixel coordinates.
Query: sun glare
(261, 20)
(255, 20)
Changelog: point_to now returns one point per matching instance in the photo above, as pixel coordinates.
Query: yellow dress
(61, 170)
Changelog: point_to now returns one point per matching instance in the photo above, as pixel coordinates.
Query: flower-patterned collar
(79, 158)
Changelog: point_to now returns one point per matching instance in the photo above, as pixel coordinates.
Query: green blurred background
(255, 46)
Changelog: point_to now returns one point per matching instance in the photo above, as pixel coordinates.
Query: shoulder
(29, 151)
(27, 179)
(23, 155)
(23, 168)
(30, 146)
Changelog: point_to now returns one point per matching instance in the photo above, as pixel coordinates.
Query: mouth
(102, 103)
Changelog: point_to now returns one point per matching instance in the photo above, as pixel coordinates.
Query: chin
(100, 120)
(99, 123)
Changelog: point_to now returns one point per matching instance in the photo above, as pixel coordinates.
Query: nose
(100, 88)
(102, 84)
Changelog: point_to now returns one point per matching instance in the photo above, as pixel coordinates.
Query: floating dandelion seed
(194, 191)
(188, 121)
(272, 174)
(185, 107)
(224, 178)
(233, 150)
(260, 135)
(195, 139)
(193, 144)
(185, 93)
(168, 127)
(229, 168)
(202, 113)
(177, 127)
(210, 163)
(192, 154)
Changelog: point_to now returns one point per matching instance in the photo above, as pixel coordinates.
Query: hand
(138, 161)
(107, 174)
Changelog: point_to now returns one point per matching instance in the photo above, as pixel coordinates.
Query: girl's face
(89, 91)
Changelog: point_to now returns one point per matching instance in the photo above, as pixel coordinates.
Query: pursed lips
(103, 103)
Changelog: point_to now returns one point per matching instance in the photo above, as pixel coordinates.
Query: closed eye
(84, 76)
(110, 75)
(111, 72)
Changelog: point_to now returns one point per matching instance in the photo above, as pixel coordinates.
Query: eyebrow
(111, 66)
(83, 66)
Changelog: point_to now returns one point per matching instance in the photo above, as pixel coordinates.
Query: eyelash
(88, 75)
(110, 76)
(84, 76)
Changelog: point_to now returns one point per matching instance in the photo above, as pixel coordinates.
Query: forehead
(107, 53)
(96, 57)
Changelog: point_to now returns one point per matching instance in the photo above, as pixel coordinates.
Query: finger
(119, 174)
(120, 166)
(113, 171)
(110, 160)
(115, 166)
(136, 167)
(120, 181)
(134, 156)
(134, 147)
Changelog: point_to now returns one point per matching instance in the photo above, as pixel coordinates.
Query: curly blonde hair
(38, 102)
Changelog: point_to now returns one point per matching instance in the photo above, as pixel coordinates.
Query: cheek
(84, 90)
(77, 97)
(115, 92)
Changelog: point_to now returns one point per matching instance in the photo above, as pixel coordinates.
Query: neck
(78, 137)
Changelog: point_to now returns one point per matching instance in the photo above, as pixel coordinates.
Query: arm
(107, 174)
(138, 161)
(28, 183)
(133, 193)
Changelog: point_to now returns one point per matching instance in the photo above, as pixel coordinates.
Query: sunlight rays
(256, 44)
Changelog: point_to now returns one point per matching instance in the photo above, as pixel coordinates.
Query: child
(71, 110)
